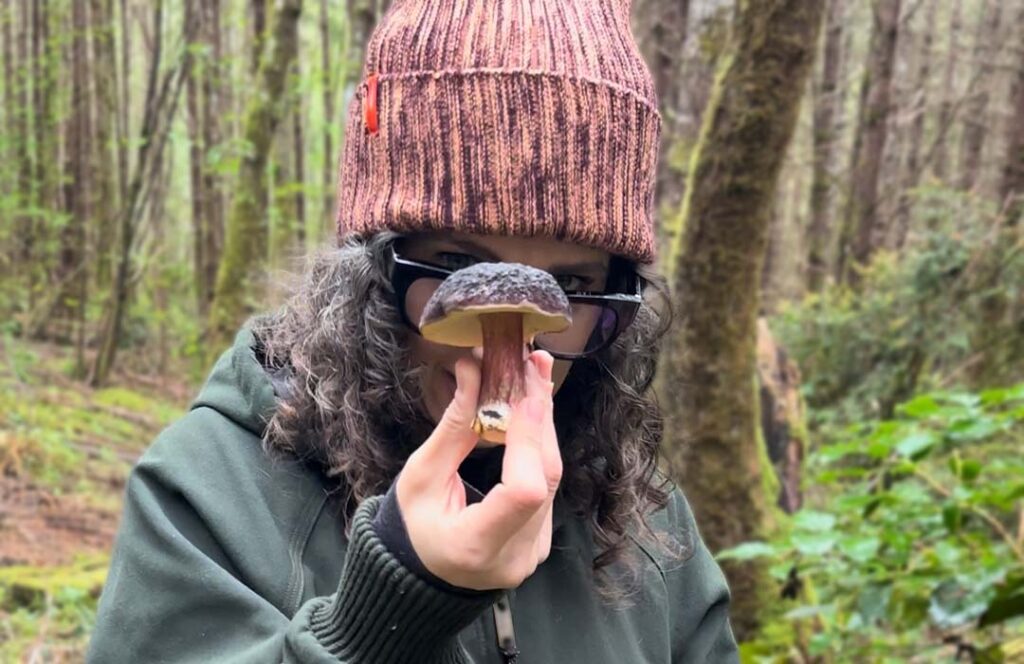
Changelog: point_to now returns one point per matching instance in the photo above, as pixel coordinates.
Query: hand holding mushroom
(500, 306)
(499, 541)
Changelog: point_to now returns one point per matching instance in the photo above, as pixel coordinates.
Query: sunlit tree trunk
(708, 366)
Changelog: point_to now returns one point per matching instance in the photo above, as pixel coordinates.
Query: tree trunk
(299, 155)
(105, 86)
(214, 106)
(1011, 186)
(940, 153)
(976, 116)
(124, 129)
(47, 171)
(72, 269)
(859, 239)
(162, 95)
(245, 250)
(9, 241)
(327, 82)
(23, 200)
(912, 172)
(661, 29)
(827, 99)
(197, 152)
(711, 442)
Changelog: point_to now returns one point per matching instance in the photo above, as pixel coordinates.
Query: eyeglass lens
(592, 324)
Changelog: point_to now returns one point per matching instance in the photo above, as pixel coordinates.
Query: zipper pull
(504, 629)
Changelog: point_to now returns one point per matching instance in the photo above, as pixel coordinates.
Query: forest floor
(65, 453)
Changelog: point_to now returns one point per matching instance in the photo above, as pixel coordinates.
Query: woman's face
(575, 267)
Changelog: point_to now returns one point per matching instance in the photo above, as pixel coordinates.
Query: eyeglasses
(597, 318)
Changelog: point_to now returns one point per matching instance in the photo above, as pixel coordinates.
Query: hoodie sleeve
(176, 593)
(698, 595)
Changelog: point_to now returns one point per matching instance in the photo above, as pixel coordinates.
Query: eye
(455, 261)
(573, 283)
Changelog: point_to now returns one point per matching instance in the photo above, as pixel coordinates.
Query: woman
(326, 500)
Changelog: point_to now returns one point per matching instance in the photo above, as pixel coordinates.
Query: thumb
(453, 438)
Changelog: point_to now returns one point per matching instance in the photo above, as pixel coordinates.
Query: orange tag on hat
(370, 104)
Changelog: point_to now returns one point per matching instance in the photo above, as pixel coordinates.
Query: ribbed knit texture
(384, 613)
(510, 117)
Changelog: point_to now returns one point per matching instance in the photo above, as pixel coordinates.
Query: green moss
(26, 587)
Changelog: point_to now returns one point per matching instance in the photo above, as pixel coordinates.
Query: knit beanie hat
(509, 117)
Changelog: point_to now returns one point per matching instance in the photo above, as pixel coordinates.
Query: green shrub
(912, 548)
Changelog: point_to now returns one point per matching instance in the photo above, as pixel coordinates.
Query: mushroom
(502, 307)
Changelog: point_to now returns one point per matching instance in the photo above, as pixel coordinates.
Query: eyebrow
(597, 266)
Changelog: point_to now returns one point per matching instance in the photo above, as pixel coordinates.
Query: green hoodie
(226, 555)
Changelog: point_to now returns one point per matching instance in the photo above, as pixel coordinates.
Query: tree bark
(214, 105)
(859, 238)
(913, 167)
(661, 28)
(245, 250)
(976, 116)
(327, 83)
(72, 269)
(711, 443)
(940, 153)
(104, 72)
(299, 155)
(827, 98)
(197, 152)
(1011, 186)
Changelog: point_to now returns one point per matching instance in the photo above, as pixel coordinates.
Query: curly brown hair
(348, 399)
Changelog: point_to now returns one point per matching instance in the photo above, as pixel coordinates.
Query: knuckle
(529, 496)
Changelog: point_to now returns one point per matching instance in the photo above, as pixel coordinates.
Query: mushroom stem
(502, 373)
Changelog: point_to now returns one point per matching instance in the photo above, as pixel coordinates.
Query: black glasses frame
(625, 302)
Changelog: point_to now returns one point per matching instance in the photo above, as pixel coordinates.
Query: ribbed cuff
(384, 613)
(389, 525)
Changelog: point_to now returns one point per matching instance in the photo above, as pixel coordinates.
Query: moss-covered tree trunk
(239, 278)
(711, 442)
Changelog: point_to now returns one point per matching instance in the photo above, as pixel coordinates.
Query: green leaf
(747, 551)
(814, 544)
(1008, 602)
(814, 521)
(919, 407)
(969, 470)
(860, 548)
(917, 444)
(952, 517)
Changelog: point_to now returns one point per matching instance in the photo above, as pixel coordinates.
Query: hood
(239, 387)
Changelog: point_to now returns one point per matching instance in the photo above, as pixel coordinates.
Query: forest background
(840, 196)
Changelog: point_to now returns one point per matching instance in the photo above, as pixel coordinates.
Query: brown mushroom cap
(451, 316)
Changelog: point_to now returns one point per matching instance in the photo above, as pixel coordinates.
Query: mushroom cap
(452, 314)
